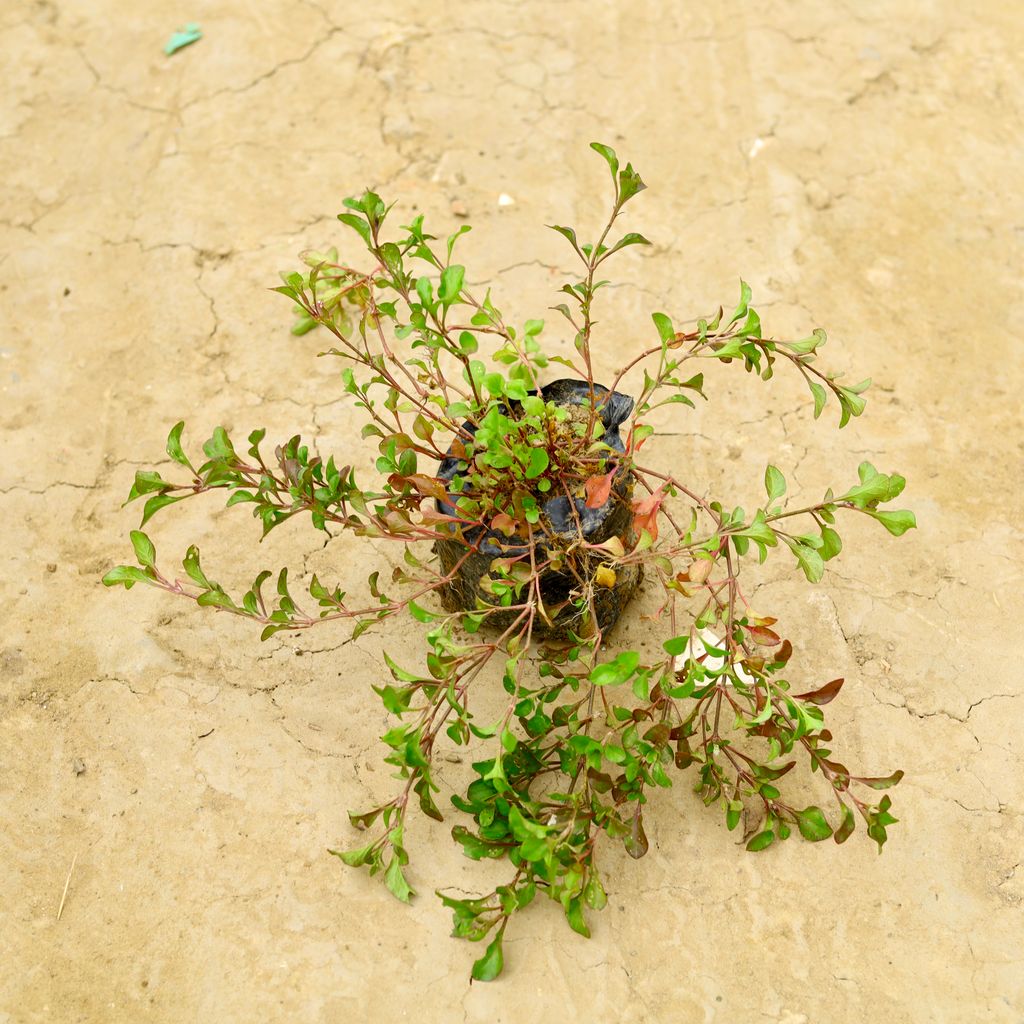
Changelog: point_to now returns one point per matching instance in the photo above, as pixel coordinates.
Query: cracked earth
(858, 163)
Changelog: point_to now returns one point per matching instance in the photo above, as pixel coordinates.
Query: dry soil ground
(859, 163)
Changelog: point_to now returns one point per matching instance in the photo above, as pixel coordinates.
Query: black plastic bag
(468, 589)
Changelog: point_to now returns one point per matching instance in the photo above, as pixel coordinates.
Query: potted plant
(518, 486)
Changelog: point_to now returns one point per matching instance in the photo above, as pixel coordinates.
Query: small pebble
(453, 758)
(459, 210)
(505, 200)
(78, 765)
(51, 566)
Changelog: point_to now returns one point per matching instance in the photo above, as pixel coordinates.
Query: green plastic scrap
(186, 36)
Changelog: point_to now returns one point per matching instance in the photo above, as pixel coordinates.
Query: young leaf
(633, 238)
(451, 283)
(745, 296)
(569, 234)
(144, 550)
(820, 397)
(666, 331)
(810, 561)
(612, 160)
(129, 575)
(774, 484)
(174, 448)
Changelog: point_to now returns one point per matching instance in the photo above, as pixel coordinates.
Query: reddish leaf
(428, 485)
(881, 783)
(636, 840)
(599, 489)
(645, 513)
(699, 570)
(823, 694)
(504, 523)
(846, 826)
(764, 636)
(783, 654)
(431, 517)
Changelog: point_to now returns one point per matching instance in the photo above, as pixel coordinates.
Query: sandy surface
(860, 164)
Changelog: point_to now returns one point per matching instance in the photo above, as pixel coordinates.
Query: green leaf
(745, 296)
(174, 448)
(612, 160)
(304, 325)
(810, 561)
(355, 858)
(489, 966)
(574, 915)
(156, 503)
(677, 645)
(666, 331)
(129, 575)
(451, 283)
(898, 522)
(761, 841)
(146, 482)
(567, 233)
(421, 614)
(820, 397)
(874, 487)
(219, 446)
(732, 814)
(812, 824)
(774, 483)
(394, 879)
(630, 183)
(144, 550)
(751, 327)
(474, 847)
(852, 405)
(807, 345)
(357, 224)
(192, 566)
(758, 530)
(538, 462)
(616, 671)
(831, 543)
(594, 895)
(633, 238)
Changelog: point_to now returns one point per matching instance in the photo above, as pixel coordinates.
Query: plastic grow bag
(468, 589)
